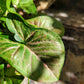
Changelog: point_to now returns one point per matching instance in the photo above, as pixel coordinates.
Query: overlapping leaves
(39, 56)
(34, 52)
(8, 76)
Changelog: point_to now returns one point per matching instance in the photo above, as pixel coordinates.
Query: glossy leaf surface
(40, 59)
(36, 53)
(44, 21)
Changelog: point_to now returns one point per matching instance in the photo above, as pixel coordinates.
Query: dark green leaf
(11, 77)
(44, 21)
(8, 76)
(2, 74)
(1, 32)
(2, 7)
(2, 61)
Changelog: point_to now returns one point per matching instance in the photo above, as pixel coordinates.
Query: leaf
(1, 32)
(11, 10)
(10, 7)
(2, 61)
(16, 26)
(44, 21)
(27, 5)
(11, 77)
(2, 19)
(8, 76)
(40, 58)
(2, 7)
(15, 2)
(2, 74)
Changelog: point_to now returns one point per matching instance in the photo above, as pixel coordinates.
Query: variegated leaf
(41, 59)
(44, 21)
(40, 56)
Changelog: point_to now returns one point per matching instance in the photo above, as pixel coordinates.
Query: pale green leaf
(10, 7)
(27, 5)
(17, 26)
(44, 21)
(15, 2)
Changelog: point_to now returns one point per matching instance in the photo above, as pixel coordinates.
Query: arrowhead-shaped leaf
(44, 21)
(42, 61)
(41, 55)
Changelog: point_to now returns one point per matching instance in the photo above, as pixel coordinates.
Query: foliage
(32, 50)
(44, 21)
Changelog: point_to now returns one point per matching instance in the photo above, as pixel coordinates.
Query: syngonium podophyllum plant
(33, 48)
